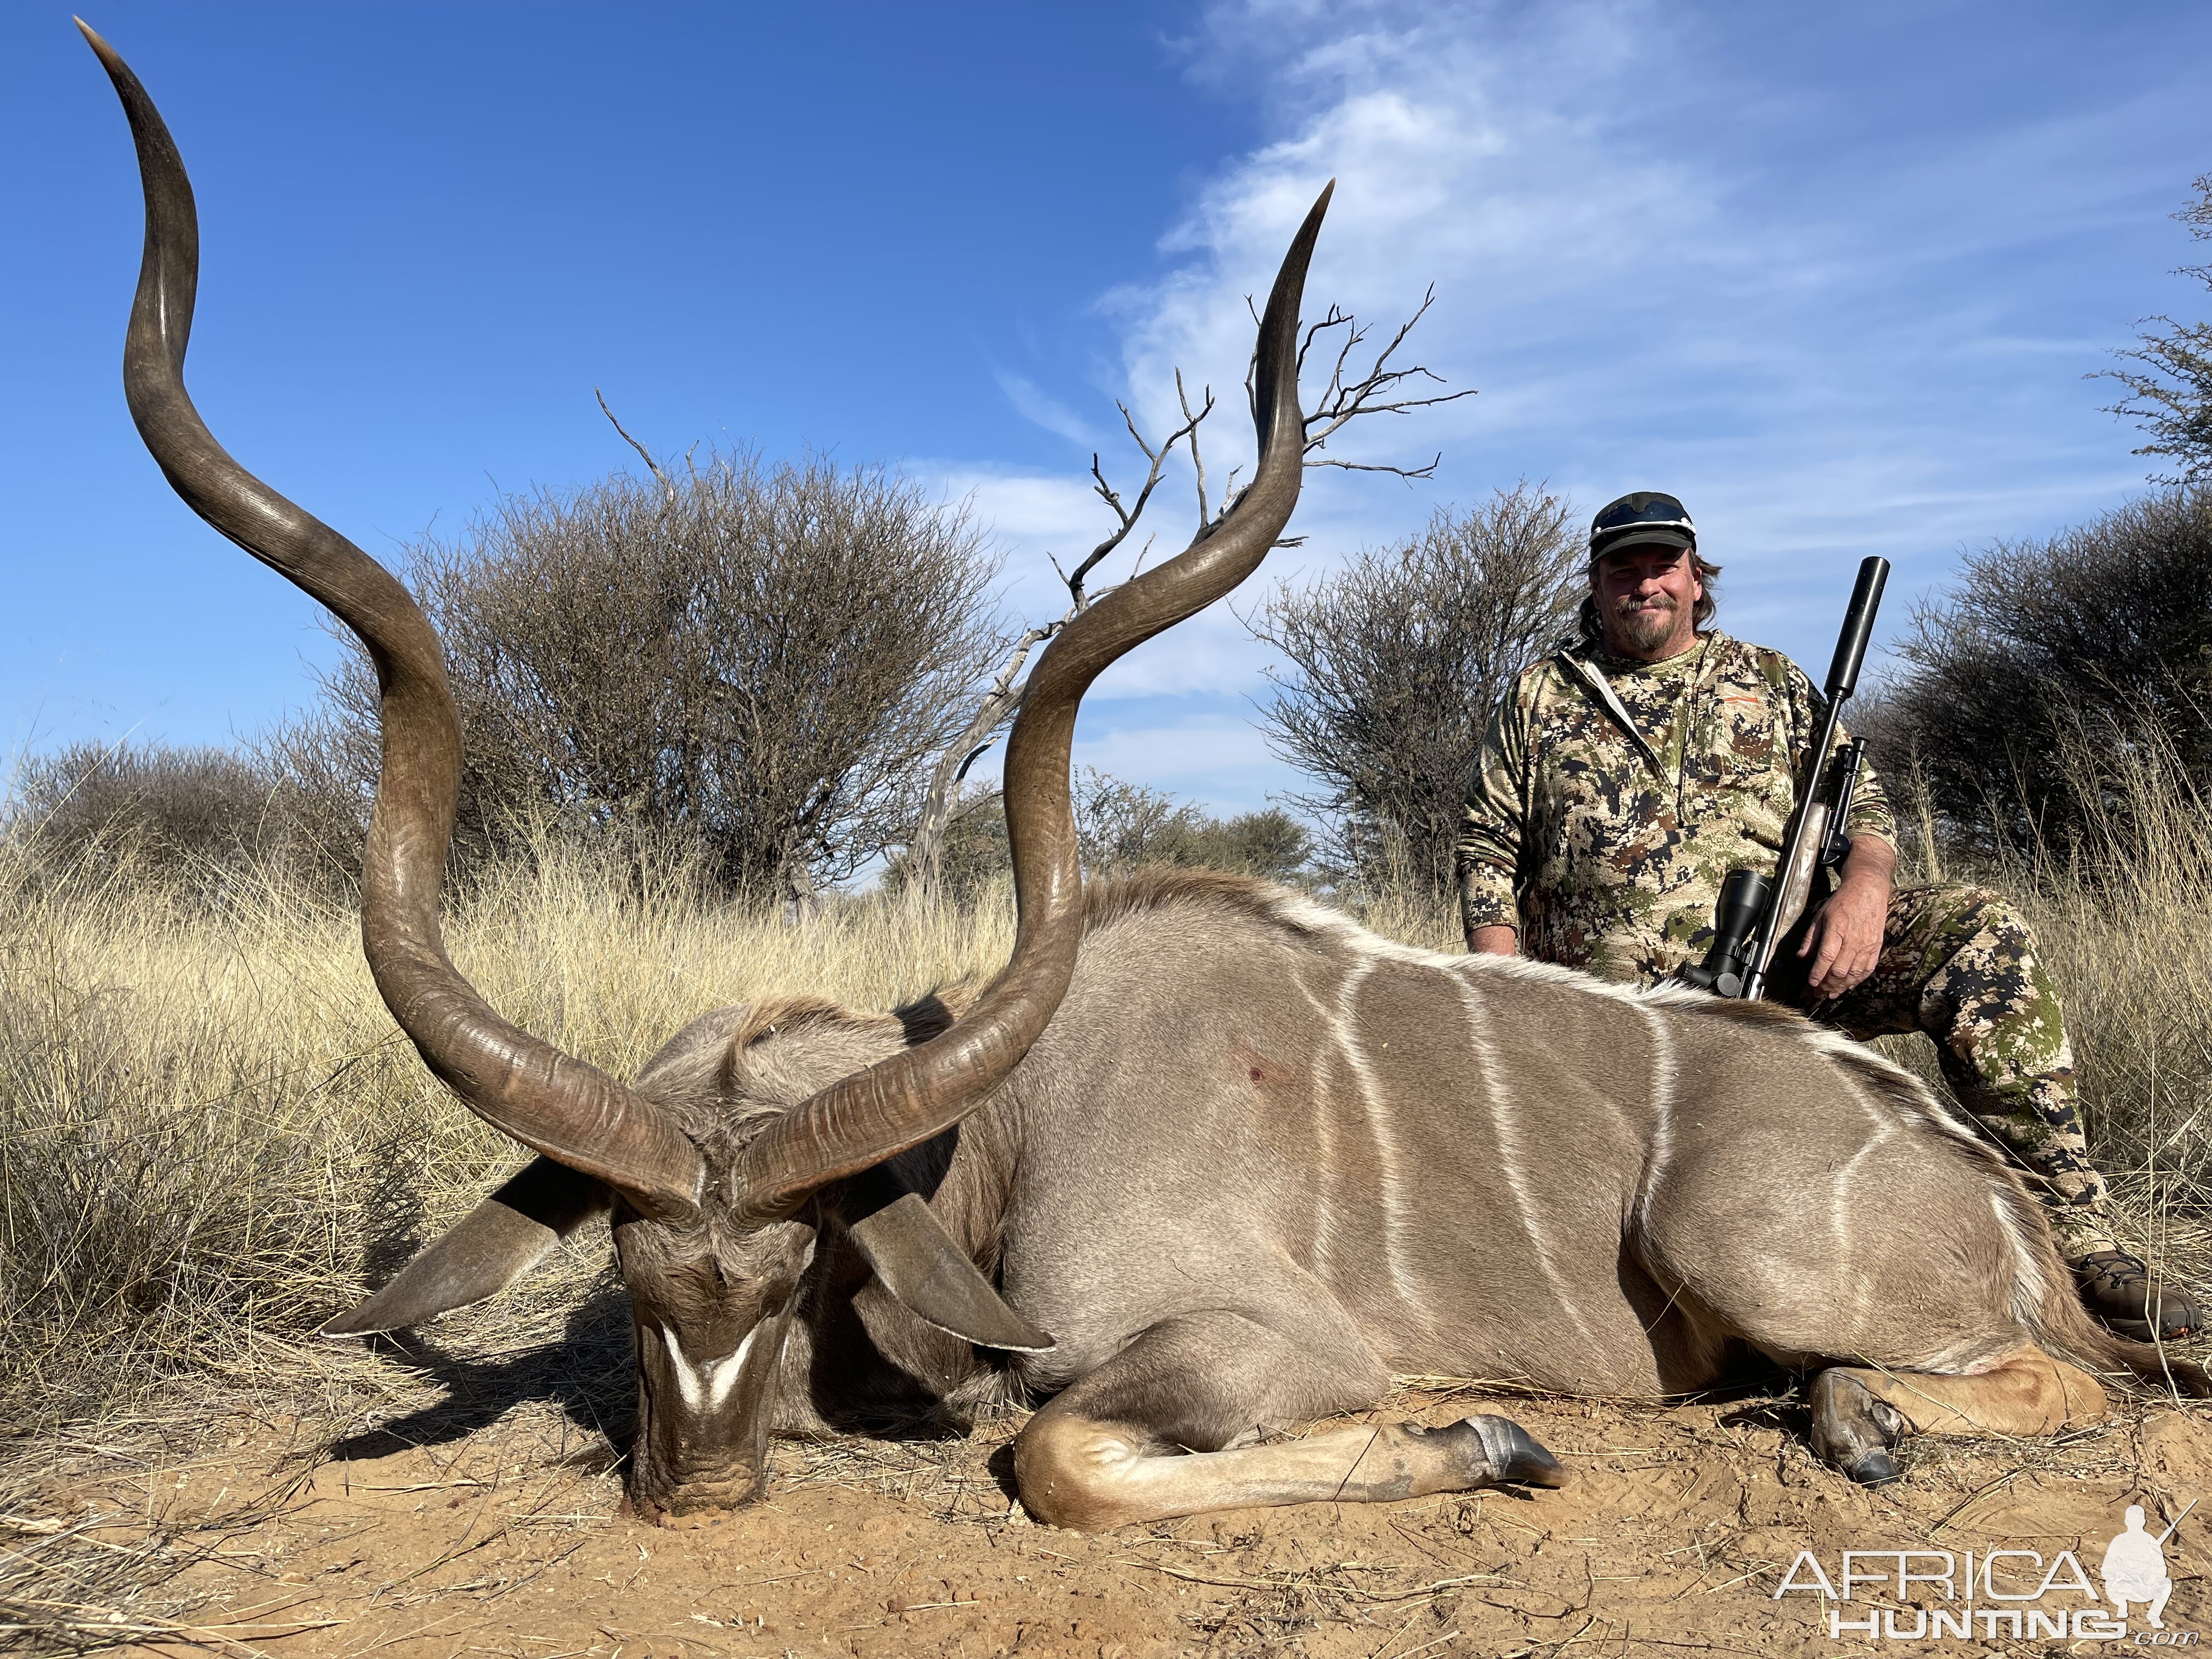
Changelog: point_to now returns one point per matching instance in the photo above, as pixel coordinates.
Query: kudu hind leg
(1161, 1429)
(1860, 1413)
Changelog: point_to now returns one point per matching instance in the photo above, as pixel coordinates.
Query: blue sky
(1832, 275)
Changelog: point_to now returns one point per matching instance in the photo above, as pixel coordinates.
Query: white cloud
(1217, 759)
(1036, 521)
(1027, 513)
(1461, 151)
(1670, 257)
(1040, 407)
(1670, 261)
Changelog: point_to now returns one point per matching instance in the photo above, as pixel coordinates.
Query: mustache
(1629, 604)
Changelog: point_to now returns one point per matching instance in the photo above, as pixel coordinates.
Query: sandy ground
(480, 1526)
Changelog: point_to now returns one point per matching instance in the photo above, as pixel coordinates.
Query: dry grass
(210, 1138)
(2124, 916)
(2125, 919)
(210, 1135)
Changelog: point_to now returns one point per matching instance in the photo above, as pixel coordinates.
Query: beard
(1645, 624)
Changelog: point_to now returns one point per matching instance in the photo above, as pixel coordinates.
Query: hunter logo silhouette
(2134, 1568)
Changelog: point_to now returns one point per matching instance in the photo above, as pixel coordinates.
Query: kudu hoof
(1853, 1431)
(1876, 1468)
(1512, 1454)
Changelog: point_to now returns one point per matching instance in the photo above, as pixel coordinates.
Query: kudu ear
(931, 1278)
(491, 1247)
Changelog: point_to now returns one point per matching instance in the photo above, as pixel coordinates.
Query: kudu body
(1204, 1162)
(1262, 1158)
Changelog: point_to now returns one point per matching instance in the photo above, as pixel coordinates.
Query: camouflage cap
(1642, 515)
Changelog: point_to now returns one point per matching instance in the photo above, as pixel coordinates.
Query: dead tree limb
(1190, 425)
(941, 804)
(1124, 516)
(1380, 390)
(667, 488)
(1347, 397)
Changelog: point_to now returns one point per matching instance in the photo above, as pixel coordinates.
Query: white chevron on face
(705, 1386)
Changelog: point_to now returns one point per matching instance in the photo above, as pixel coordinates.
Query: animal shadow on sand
(587, 1373)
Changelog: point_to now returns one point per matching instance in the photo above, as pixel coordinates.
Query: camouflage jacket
(1606, 851)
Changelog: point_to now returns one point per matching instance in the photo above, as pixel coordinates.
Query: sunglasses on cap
(1645, 510)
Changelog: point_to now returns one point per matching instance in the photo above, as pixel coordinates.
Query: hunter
(1622, 778)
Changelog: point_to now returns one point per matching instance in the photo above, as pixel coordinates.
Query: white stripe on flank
(1379, 1120)
(2028, 1289)
(1324, 1163)
(1883, 1121)
(1503, 1121)
(705, 1386)
(1843, 1187)
(1839, 1195)
(1664, 1078)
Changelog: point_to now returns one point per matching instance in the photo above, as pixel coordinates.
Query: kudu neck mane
(760, 1062)
(828, 1025)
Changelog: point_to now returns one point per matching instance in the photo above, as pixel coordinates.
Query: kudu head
(715, 1211)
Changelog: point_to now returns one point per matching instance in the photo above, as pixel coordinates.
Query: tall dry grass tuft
(2124, 917)
(211, 1136)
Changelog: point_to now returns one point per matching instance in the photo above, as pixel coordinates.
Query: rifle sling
(1598, 686)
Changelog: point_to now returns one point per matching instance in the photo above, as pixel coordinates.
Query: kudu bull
(1240, 1157)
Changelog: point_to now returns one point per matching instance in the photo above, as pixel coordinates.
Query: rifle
(1756, 911)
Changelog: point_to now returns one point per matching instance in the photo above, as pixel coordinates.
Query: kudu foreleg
(1162, 1429)
(1860, 1412)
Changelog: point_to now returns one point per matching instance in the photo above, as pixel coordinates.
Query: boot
(2118, 1290)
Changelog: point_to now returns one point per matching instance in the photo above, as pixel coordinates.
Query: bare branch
(1337, 318)
(1346, 399)
(974, 755)
(1190, 425)
(1407, 472)
(1126, 516)
(969, 803)
(651, 466)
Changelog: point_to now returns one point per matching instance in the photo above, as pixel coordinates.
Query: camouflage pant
(1959, 963)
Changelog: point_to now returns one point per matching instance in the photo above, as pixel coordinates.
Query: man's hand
(1844, 940)
(1497, 941)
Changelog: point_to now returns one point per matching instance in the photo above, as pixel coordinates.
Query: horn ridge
(898, 1102)
(547, 1100)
